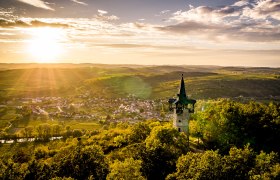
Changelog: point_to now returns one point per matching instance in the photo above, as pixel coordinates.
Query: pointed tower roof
(182, 99)
(182, 93)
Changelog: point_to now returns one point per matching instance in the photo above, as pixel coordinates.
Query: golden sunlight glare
(45, 44)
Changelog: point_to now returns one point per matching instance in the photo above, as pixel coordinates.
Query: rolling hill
(203, 82)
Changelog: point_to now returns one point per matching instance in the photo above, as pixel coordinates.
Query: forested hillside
(87, 121)
(229, 140)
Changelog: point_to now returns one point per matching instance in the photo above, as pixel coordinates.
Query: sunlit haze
(189, 32)
(44, 45)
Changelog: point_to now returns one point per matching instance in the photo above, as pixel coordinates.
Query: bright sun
(45, 44)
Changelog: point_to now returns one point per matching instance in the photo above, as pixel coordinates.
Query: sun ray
(52, 77)
(22, 83)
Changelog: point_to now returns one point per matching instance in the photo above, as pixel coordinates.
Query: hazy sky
(202, 32)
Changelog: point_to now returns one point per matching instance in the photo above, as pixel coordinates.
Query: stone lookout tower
(182, 107)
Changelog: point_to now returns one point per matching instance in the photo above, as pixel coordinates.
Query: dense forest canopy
(229, 140)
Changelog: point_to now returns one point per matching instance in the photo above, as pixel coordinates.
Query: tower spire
(182, 93)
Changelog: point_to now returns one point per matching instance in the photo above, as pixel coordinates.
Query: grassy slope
(143, 81)
(200, 85)
(41, 81)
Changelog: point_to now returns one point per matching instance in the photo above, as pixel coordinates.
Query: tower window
(179, 129)
(179, 120)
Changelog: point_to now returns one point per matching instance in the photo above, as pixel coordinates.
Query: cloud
(260, 9)
(165, 11)
(37, 3)
(205, 14)
(188, 26)
(244, 20)
(247, 32)
(79, 2)
(125, 45)
(263, 9)
(241, 3)
(103, 17)
(10, 23)
(38, 23)
(102, 12)
(106, 18)
(33, 23)
(7, 13)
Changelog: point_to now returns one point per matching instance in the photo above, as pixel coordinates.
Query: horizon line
(115, 64)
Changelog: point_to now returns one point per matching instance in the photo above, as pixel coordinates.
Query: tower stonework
(182, 107)
(181, 121)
